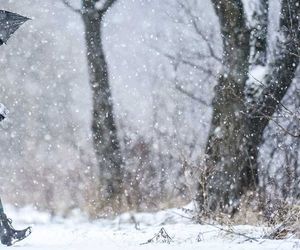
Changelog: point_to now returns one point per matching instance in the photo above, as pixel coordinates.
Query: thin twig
(191, 95)
(270, 118)
(220, 228)
(230, 231)
(184, 61)
(272, 96)
(193, 18)
(67, 3)
(161, 234)
(285, 130)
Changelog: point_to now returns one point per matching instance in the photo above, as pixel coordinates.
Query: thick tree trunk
(237, 127)
(231, 150)
(104, 130)
(227, 143)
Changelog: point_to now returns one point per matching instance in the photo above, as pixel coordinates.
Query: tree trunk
(104, 129)
(237, 126)
(227, 141)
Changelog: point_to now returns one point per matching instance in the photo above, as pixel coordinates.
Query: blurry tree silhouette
(105, 138)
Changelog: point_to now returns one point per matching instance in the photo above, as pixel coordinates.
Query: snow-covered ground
(131, 231)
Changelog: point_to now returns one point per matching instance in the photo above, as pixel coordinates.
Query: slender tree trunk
(104, 129)
(237, 126)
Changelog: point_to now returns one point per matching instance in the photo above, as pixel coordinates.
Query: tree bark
(226, 143)
(237, 127)
(283, 67)
(259, 33)
(105, 137)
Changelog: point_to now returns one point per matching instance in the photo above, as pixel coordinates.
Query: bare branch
(193, 18)
(191, 95)
(270, 118)
(106, 6)
(185, 62)
(272, 96)
(292, 53)
(67, 3)
(197, 66)
(284, 129)
(231, 231)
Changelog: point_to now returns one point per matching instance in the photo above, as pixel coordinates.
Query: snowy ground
(124, 233)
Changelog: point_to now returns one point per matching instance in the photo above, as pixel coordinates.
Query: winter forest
(152, 124)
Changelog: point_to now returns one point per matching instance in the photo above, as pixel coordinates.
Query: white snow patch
(3, 110)
(124, 233)
(250, 6)
(256, 81)
(258, 72)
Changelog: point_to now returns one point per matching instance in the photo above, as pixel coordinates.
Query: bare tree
(105, 138)
(238, 124)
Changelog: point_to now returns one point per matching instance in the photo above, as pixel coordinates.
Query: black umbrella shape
(9, 23)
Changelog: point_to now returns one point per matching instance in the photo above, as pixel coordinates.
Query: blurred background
(162, 71)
